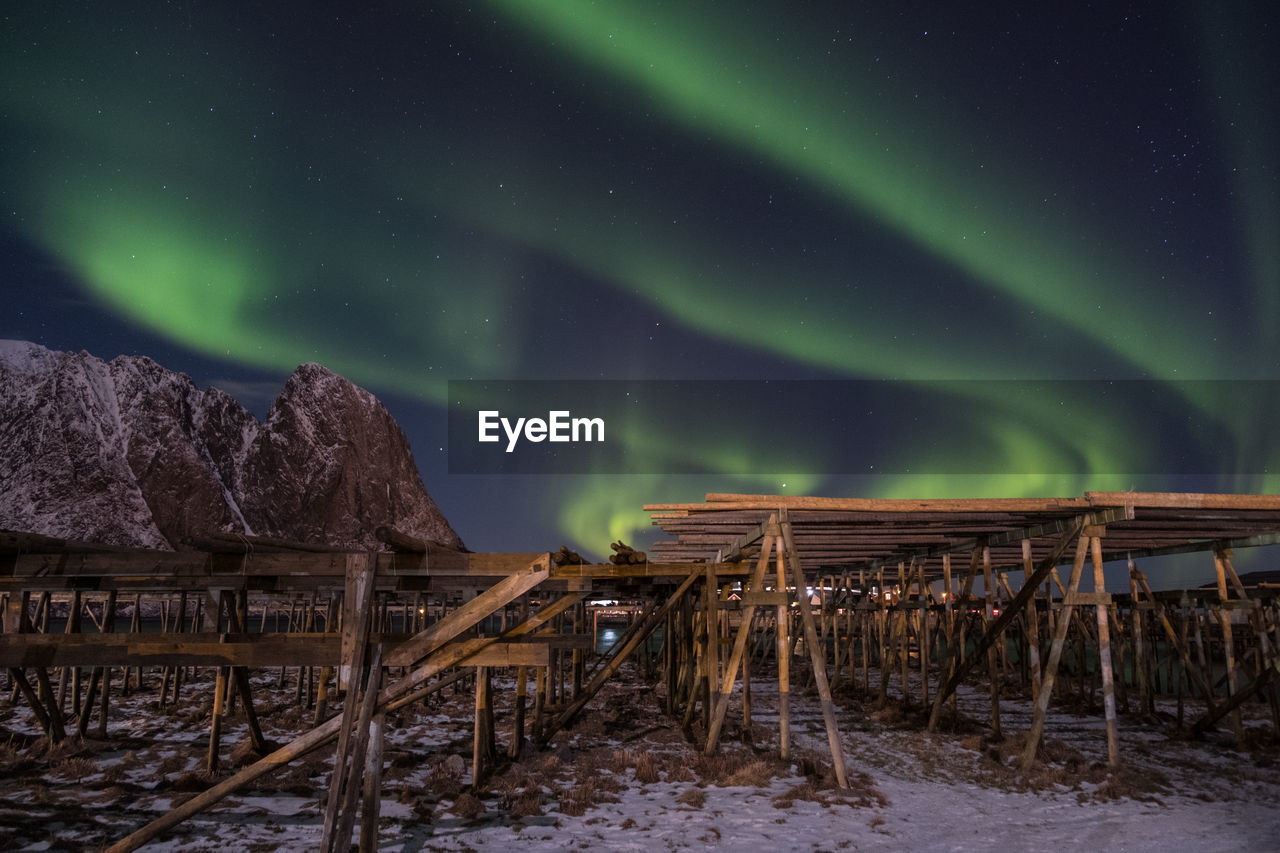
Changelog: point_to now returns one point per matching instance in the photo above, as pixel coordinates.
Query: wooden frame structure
(842, 536)
(745, 578)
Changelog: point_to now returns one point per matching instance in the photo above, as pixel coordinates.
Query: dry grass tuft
(171, 764)
(803, 791)
(528, 804)
(468, 806)
(695, 797)
(444, 786)
(646, 769)
(190, 782)
(646, 765)
(575, 801)
(754, 774)
(548, 763)
(74, 768)
(719, 768)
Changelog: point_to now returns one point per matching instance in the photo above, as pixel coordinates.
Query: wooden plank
(765, 598)
(204, 649)
(1091, 599)
(608, 571)
(1184, 500)
(716, 502)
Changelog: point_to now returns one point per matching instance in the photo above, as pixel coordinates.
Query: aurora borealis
(411, 193)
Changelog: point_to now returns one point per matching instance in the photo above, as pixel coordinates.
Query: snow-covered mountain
(126, 452)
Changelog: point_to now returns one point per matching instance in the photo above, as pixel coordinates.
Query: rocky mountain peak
(131, 453)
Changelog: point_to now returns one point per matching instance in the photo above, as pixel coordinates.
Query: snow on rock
(130, 453)
(330, 459)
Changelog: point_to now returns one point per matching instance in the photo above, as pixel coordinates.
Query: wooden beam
(608, 571)
(504, 591)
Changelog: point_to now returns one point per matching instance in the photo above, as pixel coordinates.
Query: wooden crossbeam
(500, 594)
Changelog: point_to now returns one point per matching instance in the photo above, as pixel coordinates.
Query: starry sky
(413, 192)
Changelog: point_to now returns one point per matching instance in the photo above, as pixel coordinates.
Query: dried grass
(74, 768)
(754, 774)
(528, 804)
(803, 791)
(695, 797)
(468, 806)
(575, 801)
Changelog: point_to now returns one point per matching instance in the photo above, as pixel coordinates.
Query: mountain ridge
(127, 452)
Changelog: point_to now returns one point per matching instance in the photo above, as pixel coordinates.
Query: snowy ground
(626, 779)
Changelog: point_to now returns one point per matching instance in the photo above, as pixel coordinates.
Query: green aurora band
(200, 211)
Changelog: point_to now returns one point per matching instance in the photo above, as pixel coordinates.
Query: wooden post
(746, 691)
(1033, 618)
(816, 657)
(1055, 656)
(479, 738)
(1228, 641)
(711, 605)
(219, 698)
(326, 672)
(923, 635)
(784, 665)
(1146, 702)
(215, 725)
(540, 705)
(135, 626)
(43, 716)
(339, 835)
(408, 689)
(903, 640)
(371, 807)
(1104, 653)
(864, 631)
(885, 622)
(522, 688)
(578, 664)
(988, 617)
(69, 675)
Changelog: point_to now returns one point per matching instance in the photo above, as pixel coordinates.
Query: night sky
(411, 193)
